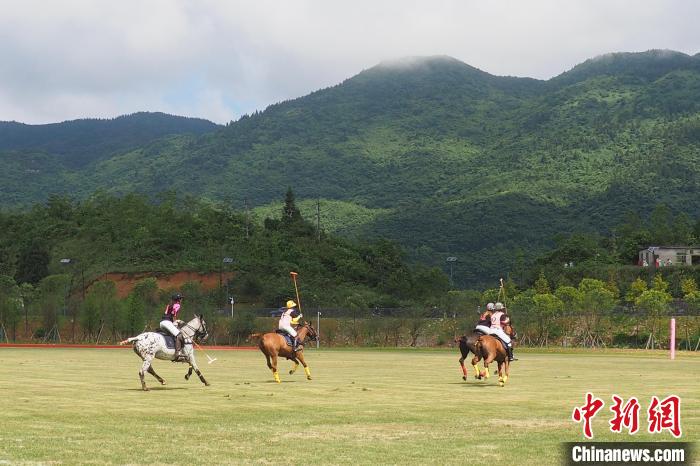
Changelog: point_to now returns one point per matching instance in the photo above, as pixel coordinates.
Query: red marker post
(673, 338)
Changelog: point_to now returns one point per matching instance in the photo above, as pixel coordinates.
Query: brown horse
(467, 344)
(273, 344)
(490, 348)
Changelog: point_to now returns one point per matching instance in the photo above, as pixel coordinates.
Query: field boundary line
(66, 345)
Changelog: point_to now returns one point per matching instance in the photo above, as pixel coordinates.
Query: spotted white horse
(149, 345)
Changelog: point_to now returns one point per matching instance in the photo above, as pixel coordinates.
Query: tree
(357, 304)
(541, 284)
(52, 293)
(659, 284)
(464, 303)
(635, 290)
(241, 326)
(28, 294)
(546, 308)
(688, 286)
(660, 222)
(147, 292)
(682, 229)
(134, 319)
(416, 324)
(33, 263)
(655, 303)
(290, 212)
(596, 300)
(100, 301)
(10, 302)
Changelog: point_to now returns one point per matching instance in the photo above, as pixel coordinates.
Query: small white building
(660, 256)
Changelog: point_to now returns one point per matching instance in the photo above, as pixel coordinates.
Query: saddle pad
(169, 341)
(286, 336)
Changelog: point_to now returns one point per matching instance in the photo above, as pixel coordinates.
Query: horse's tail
(463, 348)
(132, 339)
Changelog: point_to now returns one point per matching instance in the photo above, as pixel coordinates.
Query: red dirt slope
(166, 281)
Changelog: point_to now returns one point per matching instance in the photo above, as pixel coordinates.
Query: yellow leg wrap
(308, 372)
(277, 377)
(488, 372)
(476, 370)
(505, 378)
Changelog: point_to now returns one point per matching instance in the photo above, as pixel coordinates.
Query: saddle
(169, 339)
(287, 337)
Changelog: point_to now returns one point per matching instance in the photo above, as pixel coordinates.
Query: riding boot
(179, 342)
(509, 349)
(295, 344)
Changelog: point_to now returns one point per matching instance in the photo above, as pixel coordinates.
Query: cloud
(219, 59)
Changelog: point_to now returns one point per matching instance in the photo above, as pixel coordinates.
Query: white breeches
(494, 331)
(169, 327)
(288, 329)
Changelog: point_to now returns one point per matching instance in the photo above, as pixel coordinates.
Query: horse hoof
(464, 377)
(308, 378)
(291, 372)
(206, 384)
(501, 384)
(145, 389)
(162, 382)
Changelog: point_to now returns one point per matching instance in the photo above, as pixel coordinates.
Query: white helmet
(499, 306)
(489, 307)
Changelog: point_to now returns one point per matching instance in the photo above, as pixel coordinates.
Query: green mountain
(445, 158)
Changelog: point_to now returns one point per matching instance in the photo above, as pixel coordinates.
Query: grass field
(85, 406)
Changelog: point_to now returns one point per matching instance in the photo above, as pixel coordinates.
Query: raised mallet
(294, 279)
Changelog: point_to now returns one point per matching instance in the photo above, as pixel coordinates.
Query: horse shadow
(157, 388)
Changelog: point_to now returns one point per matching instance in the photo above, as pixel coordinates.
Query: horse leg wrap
(476, 371)
(201, 377)
(308, 372)
(276, 376)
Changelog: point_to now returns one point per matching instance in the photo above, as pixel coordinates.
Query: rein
(195, 331)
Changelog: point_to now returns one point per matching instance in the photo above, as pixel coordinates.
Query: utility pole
(245, 204)
(451, 260)
(318, 218)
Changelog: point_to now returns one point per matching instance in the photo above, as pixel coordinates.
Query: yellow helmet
(291, 304)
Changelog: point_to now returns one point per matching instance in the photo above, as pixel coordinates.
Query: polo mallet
(502, 292)
(211, 360)
(294, 279)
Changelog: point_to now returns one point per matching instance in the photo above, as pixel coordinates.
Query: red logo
(661, 415)
(587, 412)
(626, 416)
(665, 415)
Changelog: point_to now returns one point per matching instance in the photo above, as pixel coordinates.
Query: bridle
(199, 333)
(311, 332)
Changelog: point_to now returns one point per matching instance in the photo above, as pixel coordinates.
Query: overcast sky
(62, 60)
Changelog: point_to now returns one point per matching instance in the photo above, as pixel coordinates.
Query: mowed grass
(85, 406)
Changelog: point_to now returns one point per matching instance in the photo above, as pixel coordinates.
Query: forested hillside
(445, 158)
(132, 234)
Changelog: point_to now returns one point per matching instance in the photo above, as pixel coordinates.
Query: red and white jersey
(496, 319)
